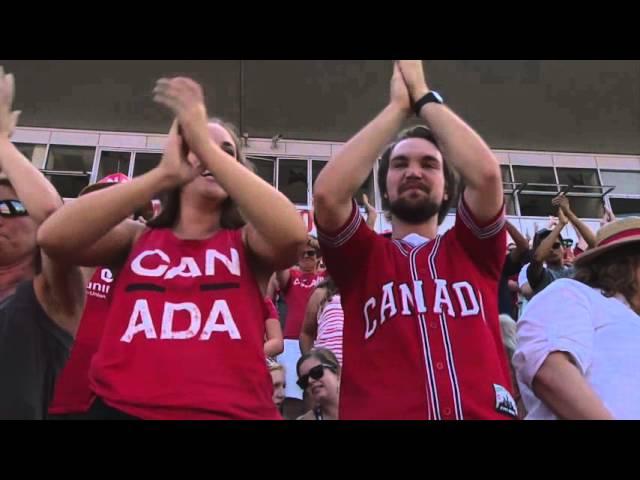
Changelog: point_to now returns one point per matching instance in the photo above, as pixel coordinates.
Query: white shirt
(601, 334)
(522, 276)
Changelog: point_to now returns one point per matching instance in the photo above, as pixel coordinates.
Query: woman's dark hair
(231, 217)
(323, 355)
(330, 290)
(451, 181)
(613, 272)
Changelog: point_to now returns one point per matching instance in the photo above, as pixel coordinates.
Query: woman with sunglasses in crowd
(296, 285)
(319, 375)
(184, 335)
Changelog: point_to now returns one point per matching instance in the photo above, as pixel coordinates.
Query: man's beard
(414, 213)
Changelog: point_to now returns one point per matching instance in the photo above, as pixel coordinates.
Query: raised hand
(175, 164)
(413, 75)
(8, 118)
(399, 92)
(185, 98)
(562, 202)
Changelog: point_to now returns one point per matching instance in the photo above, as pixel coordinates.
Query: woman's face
(322, 389)
(279, 385)
(206, 185)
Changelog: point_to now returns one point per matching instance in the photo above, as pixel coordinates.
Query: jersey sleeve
(484, 242)
(346, 251)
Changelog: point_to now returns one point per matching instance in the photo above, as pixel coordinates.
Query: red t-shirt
(296, 294)
(72, 393)
(185, 332)
(421, 332)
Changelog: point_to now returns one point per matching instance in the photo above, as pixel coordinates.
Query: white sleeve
(522, 276)
(559, 319)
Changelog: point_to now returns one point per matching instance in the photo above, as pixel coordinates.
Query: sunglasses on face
(12, 208)
(567, 243)
(316, 373)
(309, 254)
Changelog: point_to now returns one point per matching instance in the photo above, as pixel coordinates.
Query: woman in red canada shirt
(185, 330)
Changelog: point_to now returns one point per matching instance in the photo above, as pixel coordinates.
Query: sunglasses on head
(309, 253)
(316, 373)
(12, 208)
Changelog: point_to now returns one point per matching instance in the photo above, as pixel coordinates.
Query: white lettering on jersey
(161, 265)
(407, 299)
(106, 275)
(467, 309)
(232, 264)
(138, 269)
(414, 299)
(141, 310)
(220, 309)
(370, 327)
(167, 321)
(141, 322)
(187, 268)
(442, 296)
(388, 302)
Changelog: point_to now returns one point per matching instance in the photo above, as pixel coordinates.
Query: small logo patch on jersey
(504, 401)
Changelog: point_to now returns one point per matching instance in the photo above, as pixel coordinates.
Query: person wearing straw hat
(578, 352)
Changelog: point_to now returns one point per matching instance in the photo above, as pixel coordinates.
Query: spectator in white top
(323, 321)
(578, 355)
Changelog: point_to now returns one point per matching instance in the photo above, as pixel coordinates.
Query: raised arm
(35, 192)
(522, 244)
(348, 169)
(309, 330)
(274, 231)
(58, 287)
(585, 232)
(461, 146)
(93, 230)
(372, 215)
(536, 267)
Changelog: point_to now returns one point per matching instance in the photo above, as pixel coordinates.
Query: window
(292, 180)
(506, 175)
(510, 204)
(264, 167)
(113, 162)
(536, 205)
(626, 183)
(366, 187)
(68, 184)
(34, 152)
(144, 162)
(70, 158)
(579, 177)
(533, 175)
(586, 207)
(625, 207)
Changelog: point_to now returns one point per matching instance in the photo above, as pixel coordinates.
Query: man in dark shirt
(518, 255)
(547, 264)
(41, 301)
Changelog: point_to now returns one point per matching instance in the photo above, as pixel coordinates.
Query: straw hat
(611, 236)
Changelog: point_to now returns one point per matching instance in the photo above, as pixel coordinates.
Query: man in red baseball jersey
(421, 331)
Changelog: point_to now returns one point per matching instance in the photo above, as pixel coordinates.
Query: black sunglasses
(309, 253)
(316, 373)
(567, 243)
(12, 208)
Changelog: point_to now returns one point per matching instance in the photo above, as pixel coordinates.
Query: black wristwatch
(430, 97)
